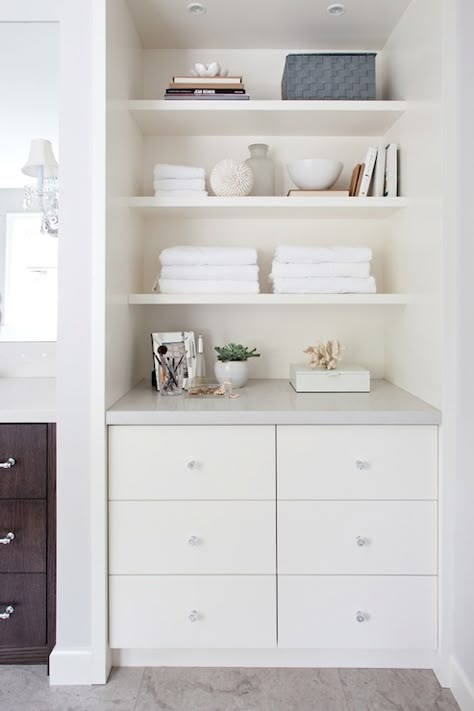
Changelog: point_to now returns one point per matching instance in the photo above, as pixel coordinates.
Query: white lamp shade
(41, 159)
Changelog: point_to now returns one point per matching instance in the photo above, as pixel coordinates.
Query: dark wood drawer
(27, 445)
(26, 552)
(26, 625)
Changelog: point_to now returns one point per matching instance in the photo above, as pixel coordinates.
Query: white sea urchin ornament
(231, 178)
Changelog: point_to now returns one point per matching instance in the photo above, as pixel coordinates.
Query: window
(31, 291)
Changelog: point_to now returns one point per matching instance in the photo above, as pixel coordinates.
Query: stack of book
(378, 176)
(206, 89)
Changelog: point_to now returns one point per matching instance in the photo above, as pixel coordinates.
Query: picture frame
(170, 339)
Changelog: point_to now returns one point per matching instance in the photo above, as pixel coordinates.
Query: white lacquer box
(344, 379)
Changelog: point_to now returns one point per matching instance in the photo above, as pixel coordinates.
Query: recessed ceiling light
(336, 9)
(197, 8)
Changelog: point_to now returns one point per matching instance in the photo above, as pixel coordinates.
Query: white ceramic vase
(233, 371)
(262, 169)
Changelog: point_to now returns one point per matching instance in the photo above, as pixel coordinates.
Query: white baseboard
(274, 658)
(461, 686)
(75, 666)
(442, 670)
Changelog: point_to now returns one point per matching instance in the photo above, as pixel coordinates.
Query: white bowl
(315, 173)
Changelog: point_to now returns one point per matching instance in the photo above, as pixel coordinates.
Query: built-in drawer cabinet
(357, 537)
(357, 462)
(192, 611)
(204, 554)
(357, 612)
(192, 537)
(23, 536)
(27, 542)
(209, 463)
(23, 461)
(22, 612)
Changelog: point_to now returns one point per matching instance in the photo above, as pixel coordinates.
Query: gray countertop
(27, 400)
(274, 402)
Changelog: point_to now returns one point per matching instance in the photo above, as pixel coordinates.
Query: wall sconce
(44, 195)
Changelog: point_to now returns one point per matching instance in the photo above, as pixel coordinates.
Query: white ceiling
(266, 24)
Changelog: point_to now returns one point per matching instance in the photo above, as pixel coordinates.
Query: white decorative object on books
(315, 173)
(208, 70)
(343, 379)
(262, 169)
(231, 178)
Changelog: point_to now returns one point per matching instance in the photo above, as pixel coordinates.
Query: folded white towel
(315, 255)
(238, 272)
(208, 255)
(171, 184)
(324, 285)
(188, 286)
(165, 170)
(181, 193)
(324, 269)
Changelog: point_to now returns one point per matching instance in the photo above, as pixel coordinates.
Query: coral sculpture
(231, 178)
(326, 354)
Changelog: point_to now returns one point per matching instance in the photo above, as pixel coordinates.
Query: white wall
(414, 252)
(124, 177)
(80, 653)
(463, 629)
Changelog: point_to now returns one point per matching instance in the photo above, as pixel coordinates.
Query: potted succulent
(232, 364)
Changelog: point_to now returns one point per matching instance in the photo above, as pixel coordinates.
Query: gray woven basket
(329, 76)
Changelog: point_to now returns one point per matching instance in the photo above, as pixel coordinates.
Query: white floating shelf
(265, 118)
(271, 299)
(268, 207)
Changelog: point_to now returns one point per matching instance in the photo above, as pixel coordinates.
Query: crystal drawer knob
(361, 465)
(361, 541)
(7, 613)
(8, 539)
(192, 464)
(193, 616)
(8, 464)
(360, 617)
(194, 541)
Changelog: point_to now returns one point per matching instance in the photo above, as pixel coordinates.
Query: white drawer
(192, 462)
(192, 611)
(357, 462)
(357, 537)
(192, 537)
(321, 612)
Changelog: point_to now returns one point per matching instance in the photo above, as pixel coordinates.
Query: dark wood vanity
(27, 542)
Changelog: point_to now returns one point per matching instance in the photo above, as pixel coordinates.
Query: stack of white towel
(322, 270)
(208, 270)
(179, 181)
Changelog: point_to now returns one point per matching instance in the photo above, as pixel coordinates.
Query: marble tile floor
(26, 688)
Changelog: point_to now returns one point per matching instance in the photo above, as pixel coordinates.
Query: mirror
(29, 77)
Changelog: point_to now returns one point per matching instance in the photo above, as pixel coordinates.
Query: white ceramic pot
(235, 371)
